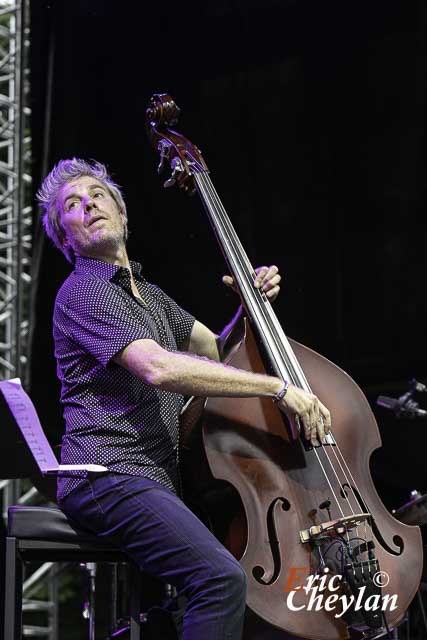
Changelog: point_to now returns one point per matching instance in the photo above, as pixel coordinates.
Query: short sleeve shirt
(112, 417)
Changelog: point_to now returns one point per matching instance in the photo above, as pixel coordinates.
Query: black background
(311, 117)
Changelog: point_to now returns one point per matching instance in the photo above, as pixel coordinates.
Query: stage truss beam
(15, 190)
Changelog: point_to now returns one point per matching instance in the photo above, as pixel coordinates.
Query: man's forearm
(193, 375)
(198, 376)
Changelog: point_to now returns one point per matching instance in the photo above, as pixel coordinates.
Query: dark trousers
(166, 540)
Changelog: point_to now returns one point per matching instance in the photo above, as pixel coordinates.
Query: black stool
(45, 534)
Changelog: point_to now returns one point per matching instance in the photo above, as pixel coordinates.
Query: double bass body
(254, 485)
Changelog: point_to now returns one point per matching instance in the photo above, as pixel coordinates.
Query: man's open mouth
(95, 219)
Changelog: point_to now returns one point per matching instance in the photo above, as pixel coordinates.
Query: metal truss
(15, 190)
(15, 261)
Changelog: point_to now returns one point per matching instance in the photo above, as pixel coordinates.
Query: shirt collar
(105, 270)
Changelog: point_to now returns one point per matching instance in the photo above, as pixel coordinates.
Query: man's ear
(125, 224)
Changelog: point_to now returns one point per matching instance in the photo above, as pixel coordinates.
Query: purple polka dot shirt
(112, 417)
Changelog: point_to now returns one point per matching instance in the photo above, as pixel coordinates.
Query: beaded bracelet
(281, 394)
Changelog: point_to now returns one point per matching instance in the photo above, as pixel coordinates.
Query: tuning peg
(163, 148)
(177, 169)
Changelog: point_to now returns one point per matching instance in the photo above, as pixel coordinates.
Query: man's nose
(89, 205)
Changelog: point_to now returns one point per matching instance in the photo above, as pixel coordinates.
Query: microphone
(388, 403)
(402, 407)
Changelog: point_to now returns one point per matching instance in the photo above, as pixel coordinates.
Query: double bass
(323, 557)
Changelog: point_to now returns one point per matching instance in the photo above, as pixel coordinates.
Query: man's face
(90, 218)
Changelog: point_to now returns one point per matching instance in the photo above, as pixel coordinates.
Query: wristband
(281, 394)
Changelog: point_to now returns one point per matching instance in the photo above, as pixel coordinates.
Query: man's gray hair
(66, 171)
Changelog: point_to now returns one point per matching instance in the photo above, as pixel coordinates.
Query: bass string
(296, 376)
(241, 273)
(262, 301)
(207, 193)
(236, 241)
(208, 190)
(240, 256)
(258, 299)
(275, 331)
(371, 533)
(350, 485)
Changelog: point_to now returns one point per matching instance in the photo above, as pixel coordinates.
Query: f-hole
(377, 533)
(258, 572)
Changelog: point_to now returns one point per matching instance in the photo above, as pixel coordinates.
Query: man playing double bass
(126, 355)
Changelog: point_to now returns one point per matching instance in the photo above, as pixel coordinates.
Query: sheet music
(26, 418)
(28, 422)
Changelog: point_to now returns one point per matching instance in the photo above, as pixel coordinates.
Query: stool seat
(46, 534)
(48, 523)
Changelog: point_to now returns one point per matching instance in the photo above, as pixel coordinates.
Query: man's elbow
(155, 375)
(146, 360)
